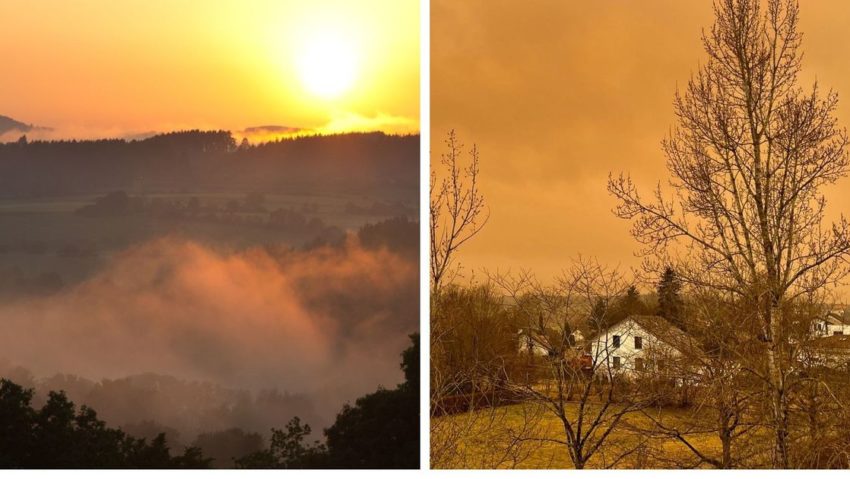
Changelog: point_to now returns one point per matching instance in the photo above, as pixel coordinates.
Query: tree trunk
(579, 463)
(726, 442)
(779, 399)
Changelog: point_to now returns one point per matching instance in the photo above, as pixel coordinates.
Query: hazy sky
(92, 66)
(558, 93)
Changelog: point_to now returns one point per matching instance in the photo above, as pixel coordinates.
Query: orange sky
(558, 93)
(101, 67)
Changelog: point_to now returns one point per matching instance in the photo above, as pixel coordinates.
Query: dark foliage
(399, 234)
(209, 161)
(248, 211)
(670, 303)
(228, 445)
(380, 431)
(289, 449)
(60, 436)
(603, 316)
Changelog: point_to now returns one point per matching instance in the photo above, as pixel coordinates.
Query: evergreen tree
(628, 305)
(670, 303)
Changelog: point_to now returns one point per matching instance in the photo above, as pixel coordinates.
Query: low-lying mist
(328, 322)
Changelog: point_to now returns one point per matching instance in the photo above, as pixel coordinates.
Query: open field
(330, 205)
(489, 438)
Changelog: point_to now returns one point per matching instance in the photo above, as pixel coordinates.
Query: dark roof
(837, 317)
(838, 342)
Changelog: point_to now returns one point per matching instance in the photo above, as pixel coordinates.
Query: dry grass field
(488, 438)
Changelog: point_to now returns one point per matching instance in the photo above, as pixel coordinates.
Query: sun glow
(327, 65)
(316, 66)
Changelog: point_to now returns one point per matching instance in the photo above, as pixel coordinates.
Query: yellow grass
(483, 440)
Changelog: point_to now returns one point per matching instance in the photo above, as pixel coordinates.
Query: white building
(638, 344)
(834, 323)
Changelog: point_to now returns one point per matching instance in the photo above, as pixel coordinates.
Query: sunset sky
(558, 94)
(99, 67)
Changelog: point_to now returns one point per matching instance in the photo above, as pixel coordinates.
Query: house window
(616, 359)
(616, 340)
(638, 342)
(639, 364)
(838, 333)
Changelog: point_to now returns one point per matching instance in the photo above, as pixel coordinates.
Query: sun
(327, 65)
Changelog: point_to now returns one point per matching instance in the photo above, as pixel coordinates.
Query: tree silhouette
(288, 450)
(630, 303)
(59, 436)
(380, 431)
(670, 303)
(457, 210)
(228, 445)
(204, 160)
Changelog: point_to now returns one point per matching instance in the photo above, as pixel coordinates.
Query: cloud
(355, 122)
(329, 321)
(259, 134)
(575, 91)
(89, 132)
(347, 122)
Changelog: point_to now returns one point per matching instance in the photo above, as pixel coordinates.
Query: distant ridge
(194, 160)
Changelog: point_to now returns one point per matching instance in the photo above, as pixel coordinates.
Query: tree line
(210, 161)
(380, 430)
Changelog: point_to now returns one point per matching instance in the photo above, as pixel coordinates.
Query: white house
(638, 344)
(834, 323)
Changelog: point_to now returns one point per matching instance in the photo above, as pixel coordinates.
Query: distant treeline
(250, 210)
(145, 405)
(380, 209)
(379, 431)
(399, 235)
(209, 160)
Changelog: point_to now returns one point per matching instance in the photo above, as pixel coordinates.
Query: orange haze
(329, 321)
(94, 68)
(558, 94)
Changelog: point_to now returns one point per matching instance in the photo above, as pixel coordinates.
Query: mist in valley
(169, 300)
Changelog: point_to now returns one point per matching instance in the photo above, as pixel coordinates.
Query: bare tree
(472, 354)
(572, 380)
(723, 404)
(749, 157)
(457, 209)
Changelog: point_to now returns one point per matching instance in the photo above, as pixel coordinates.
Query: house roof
(837, 318)
(840, 342)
